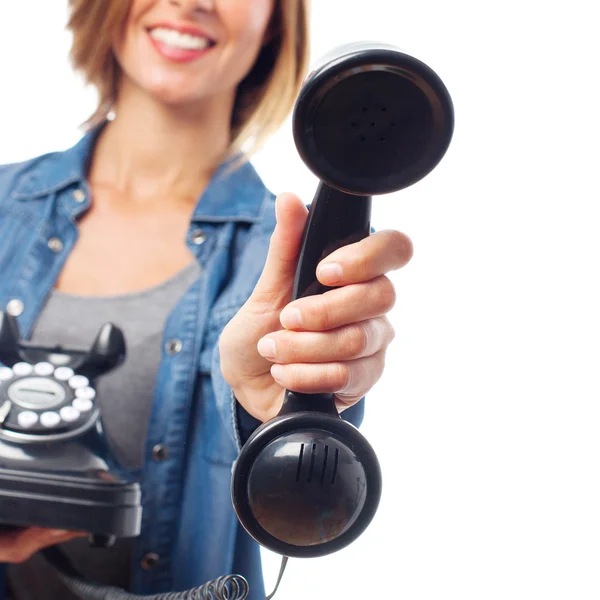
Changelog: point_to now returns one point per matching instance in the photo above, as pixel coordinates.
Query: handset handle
(335, 219)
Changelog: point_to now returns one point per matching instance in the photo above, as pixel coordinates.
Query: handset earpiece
(369, 120)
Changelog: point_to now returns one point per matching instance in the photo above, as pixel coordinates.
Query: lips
(179, 43)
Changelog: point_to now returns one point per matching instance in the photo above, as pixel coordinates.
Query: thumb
(276, 281)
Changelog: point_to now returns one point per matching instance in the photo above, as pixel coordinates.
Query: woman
(186, 250)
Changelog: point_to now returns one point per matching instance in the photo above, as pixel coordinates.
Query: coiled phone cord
(228, 587)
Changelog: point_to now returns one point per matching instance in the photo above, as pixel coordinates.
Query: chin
(175, 92)
(174, 98)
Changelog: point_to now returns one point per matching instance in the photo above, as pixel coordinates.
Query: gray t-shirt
(125, 399)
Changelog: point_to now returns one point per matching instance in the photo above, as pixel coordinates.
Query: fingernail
(59, 532)
(266, 347)
(331, 272)
(277, 372)
(291, 318)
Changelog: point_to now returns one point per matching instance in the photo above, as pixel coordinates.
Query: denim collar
(235, 192)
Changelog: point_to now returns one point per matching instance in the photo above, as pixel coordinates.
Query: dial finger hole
(83, 404)
(49, 419)
(69, 414)
(64, 373)
(78, 381)
(27, 419)
(44, 369)
(22, 368)
(85, 392)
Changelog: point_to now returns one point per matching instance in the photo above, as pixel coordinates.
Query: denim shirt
(188, 519)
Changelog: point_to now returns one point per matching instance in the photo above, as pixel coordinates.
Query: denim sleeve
(247, 424)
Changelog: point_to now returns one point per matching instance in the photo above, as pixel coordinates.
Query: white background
(486, 421)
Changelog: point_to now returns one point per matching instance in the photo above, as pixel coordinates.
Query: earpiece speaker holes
(299, 469)
(311, 466)
(312, 462)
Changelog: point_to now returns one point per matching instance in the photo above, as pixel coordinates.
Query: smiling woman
(157, 222)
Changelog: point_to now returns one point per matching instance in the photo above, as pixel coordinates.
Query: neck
(151, 150)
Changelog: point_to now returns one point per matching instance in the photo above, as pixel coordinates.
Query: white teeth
(185, 41)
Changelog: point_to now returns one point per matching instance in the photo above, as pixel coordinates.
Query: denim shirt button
(15, 307)
(173, 347)
(55, 244)
(160, 452)
(198, 237)
(149, 561)
(79, 195)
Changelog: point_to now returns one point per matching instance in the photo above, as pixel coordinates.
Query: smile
(184, 41)
(179, 44)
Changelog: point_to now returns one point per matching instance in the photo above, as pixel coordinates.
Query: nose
(194, 5)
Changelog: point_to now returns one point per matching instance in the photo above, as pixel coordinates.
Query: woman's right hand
(21, 544)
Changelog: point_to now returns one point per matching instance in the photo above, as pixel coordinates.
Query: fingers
(342, 306)
(373, 256)
(19, 546)
(260, 314)
(276, 280)
(349, 380)
(351, 342)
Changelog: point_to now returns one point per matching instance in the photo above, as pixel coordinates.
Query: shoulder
(238, 192)
(47, 173)
(10, 175)
(21, 178)
(264, 201)
(268, 220)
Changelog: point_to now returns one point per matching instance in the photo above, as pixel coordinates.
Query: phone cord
(228, 587)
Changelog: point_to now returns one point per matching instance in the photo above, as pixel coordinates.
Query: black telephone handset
(369, 120)
(56, 468)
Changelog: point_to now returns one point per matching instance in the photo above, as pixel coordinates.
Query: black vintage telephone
(369, 120)
(56, 469)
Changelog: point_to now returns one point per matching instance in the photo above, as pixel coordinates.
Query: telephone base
(87, 504)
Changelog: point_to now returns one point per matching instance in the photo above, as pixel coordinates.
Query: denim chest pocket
(18, 228)
(218, 447)
(216, 323)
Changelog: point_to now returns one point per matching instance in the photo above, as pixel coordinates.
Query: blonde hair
(264, 98)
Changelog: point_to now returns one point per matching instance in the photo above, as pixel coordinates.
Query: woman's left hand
(333, 342)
